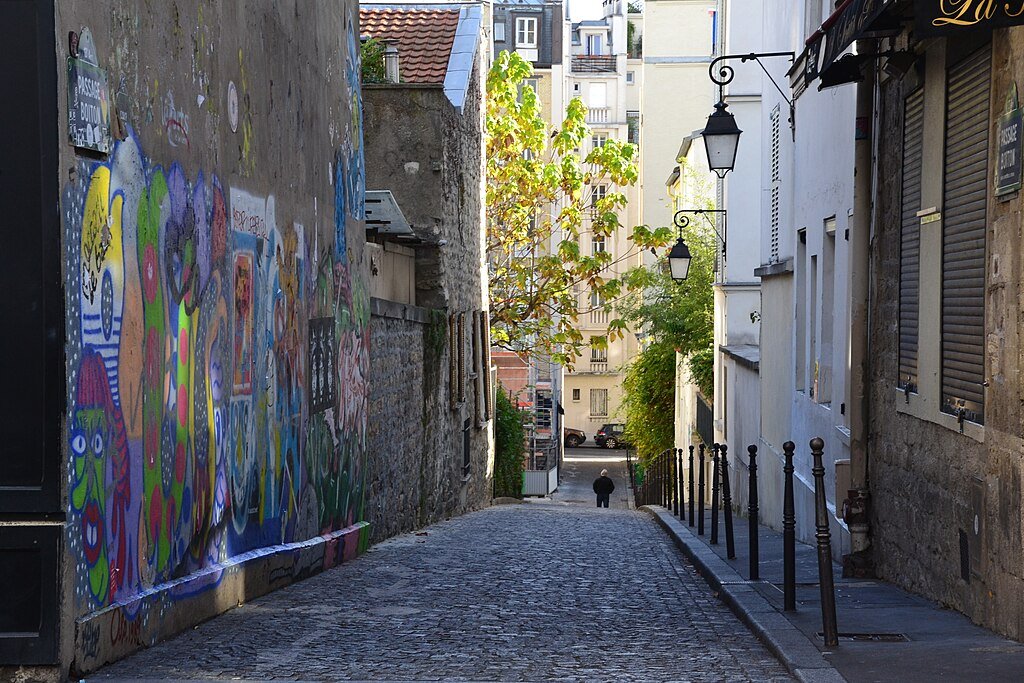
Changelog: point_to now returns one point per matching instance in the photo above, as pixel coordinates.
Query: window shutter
(910, 238)
(775, 186)
(963, 239)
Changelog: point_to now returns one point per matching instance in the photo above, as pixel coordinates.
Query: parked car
(574, 437)
(610, 435)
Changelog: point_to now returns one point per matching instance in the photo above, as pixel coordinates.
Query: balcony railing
(598, 366)
(593, 64)
(599, 317)
(599, 115)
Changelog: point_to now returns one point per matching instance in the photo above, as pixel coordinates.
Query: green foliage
(508, 448)
(539, 190)
(372, 56)
(636, 6)
(649, 401)
(702, 369)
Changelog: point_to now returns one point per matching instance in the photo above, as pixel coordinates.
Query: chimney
(391, 72)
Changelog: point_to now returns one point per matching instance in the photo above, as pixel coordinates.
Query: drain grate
(870, 637)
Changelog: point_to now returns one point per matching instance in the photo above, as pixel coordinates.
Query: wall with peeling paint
(217, 313)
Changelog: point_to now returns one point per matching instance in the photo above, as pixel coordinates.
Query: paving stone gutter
(786, 641)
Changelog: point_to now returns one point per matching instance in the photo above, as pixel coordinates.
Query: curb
(782, 638)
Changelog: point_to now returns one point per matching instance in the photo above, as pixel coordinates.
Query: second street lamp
(679, 260)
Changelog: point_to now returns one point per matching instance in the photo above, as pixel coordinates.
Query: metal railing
(593, 64)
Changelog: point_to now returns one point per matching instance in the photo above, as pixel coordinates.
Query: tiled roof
(424, 38)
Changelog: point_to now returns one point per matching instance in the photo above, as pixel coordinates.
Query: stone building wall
(930, 485)
(430, 155)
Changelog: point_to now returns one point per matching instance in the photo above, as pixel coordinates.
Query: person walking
(603, 487)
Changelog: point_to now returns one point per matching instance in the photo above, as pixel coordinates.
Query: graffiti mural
(217, 367)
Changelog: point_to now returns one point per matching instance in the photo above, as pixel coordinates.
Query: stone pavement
(890, 635)
(531, 592)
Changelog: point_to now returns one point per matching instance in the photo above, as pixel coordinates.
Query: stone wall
(930, 485)
(216, 311)
(430, 155)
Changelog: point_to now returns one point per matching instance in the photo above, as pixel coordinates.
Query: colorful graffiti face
(190, 432)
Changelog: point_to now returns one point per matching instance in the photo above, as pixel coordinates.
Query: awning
(852, 20)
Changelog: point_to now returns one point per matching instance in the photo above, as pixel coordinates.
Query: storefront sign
(954, 17)
(1008, 163)
(849, 24)
(88, 99)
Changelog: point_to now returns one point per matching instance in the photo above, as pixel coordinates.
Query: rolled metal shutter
(910, 237)
(963, 238)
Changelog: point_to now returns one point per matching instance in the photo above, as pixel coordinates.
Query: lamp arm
(681, 220)
(726, 73)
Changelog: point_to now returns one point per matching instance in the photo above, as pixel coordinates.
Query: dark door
(32, 356)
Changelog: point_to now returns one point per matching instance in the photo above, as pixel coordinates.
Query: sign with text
(954, 17)
(1008, 164)
(88, 106)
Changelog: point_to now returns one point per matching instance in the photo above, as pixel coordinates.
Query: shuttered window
(775, 186)
(910, 238)
(963, 239)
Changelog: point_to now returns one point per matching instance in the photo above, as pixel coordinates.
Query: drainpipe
(855, 507)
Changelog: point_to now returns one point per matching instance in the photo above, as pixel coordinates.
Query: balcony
(593, 64)
(599, 317)
(598, 366)
(599, 115)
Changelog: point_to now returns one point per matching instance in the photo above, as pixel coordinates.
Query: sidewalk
(937, 644)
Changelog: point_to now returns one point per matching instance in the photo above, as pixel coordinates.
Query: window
(633, 127)
(823, 377)
(598, 140)
(801, 310)
(597, 244)
(630, 78)
(527, 83)
(526, 32)
(596, 300)
(599, 193)
(576, 394)
(812, 16)
(499, 30)
(576, 88)
(595, 45)
(599, 402)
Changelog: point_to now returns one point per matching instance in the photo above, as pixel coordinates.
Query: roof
(435, 45)
(424, 38)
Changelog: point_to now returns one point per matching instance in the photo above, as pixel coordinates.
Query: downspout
(855, 508)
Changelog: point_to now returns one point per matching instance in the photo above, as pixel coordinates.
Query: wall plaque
(88, 98)
(1008, 165)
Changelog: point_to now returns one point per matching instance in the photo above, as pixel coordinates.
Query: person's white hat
(604, 473)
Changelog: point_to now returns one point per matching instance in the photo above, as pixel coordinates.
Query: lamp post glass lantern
(679, 260)
(721, 140)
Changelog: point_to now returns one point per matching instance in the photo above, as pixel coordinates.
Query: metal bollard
(679, 483)
(691, 485)
(674, 456)
(714, 493)
(755, 561)
(824, 537)
(664, 480)
(700, 491)
(730, 543)
(788, 531)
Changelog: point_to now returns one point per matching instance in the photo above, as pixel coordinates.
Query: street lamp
(721, 139)
(679, 256)
(679, 260)
(722, 135)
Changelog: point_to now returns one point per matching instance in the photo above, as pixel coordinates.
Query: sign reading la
(951, 17)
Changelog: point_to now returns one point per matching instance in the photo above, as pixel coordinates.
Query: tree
(675, 317)
(539, 192)
(508, 448)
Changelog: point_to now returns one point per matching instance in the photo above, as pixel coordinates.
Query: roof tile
(424, 38)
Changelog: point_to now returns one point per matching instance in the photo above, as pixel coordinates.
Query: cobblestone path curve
(529, 592)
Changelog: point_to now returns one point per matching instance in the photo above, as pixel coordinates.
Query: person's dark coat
(603, 486)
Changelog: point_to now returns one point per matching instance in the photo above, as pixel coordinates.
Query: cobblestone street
(539, 591)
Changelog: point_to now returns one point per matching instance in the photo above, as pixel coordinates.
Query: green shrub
(508, 448)
(372, 57)
(702, 368)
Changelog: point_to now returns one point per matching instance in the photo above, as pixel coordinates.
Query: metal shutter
(963, 239)
(910, 237)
